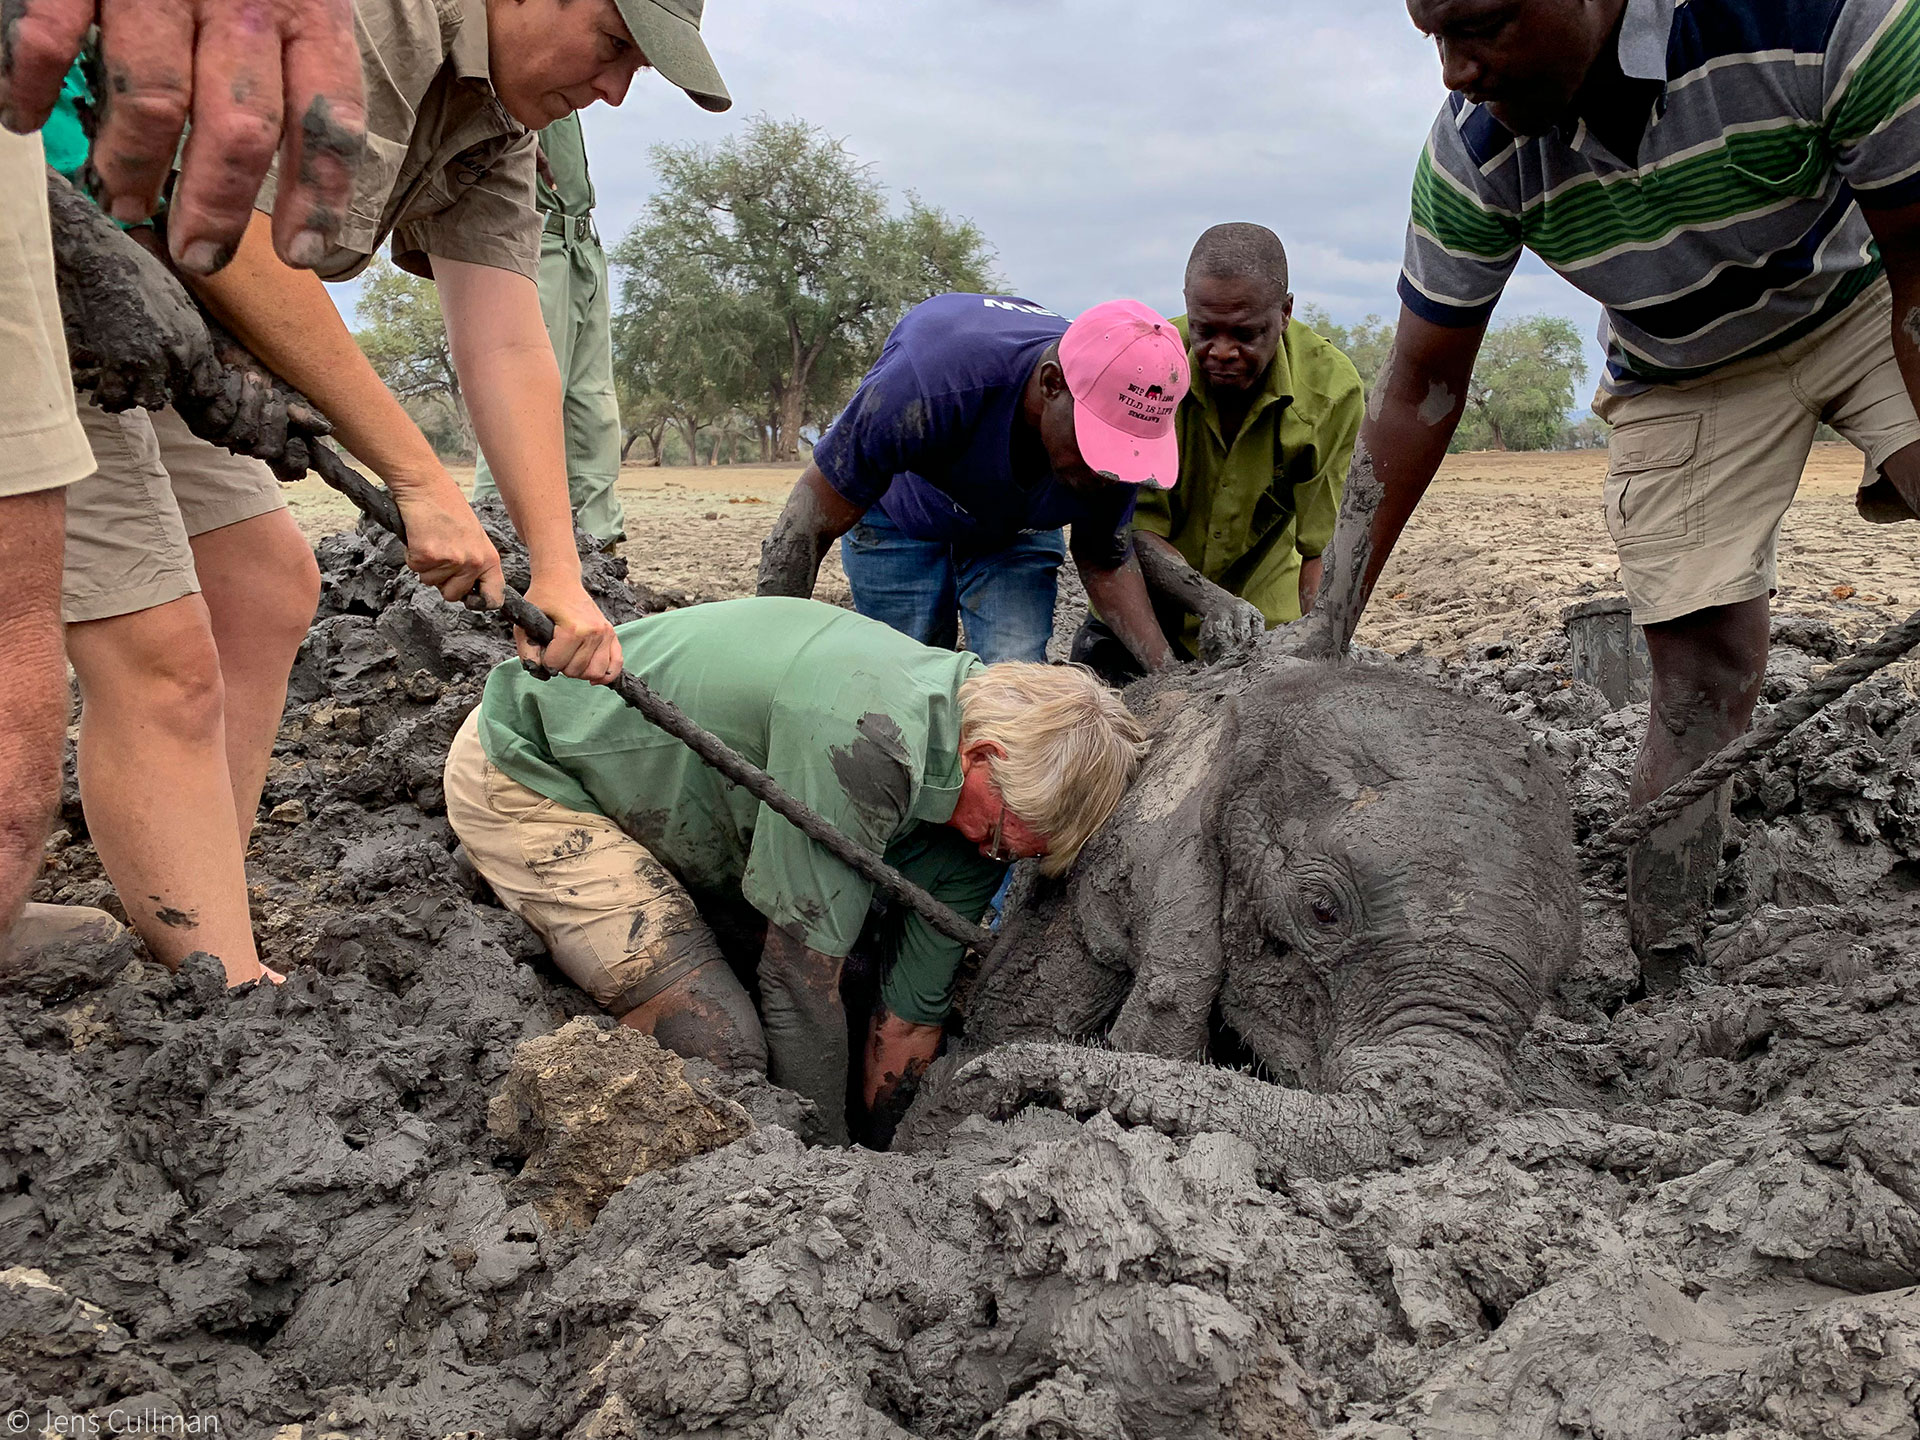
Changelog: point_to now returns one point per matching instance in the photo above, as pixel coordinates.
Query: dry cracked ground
(419, 1191)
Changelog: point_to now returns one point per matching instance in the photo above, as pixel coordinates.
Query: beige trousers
(615, 920)
(1700, 475)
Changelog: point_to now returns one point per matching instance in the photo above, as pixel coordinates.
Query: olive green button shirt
(851, 717)
(1247, 510)
(447, 170)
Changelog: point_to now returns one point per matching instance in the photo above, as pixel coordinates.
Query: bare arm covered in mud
(815, 516)
(1227, 621)
(806, 1027)
(1411, 416)
(289, 83)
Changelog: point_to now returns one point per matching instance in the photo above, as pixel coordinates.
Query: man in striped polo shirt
(1738, 184)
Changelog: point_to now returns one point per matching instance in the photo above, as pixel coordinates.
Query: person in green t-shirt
(624, 850)
(576, 300)
(1266, 434)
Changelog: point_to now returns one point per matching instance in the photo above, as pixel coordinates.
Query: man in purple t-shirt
(987, 425)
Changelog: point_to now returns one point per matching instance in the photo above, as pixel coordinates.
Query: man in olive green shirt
(1266, 434)
(578, 310)
(620, 846)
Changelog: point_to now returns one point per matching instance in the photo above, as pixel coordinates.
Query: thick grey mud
(303, 1209)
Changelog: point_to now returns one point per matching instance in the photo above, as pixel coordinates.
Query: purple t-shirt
(933, 435)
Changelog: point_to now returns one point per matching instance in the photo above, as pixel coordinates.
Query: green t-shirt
(1247, 510)
(851, 717)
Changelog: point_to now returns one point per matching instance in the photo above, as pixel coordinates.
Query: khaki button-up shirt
(1247, 509)
(448, 171)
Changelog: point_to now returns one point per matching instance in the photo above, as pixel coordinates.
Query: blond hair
(1071, 749)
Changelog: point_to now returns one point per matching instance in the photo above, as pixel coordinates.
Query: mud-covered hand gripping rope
(1788, 716)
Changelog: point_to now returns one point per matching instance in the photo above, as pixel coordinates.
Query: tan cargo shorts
(129, 524)
(1700, 474)
(615, 921)
(41, 444)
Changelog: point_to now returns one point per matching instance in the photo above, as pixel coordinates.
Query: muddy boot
(41, 927)
(1881, 504)
(1670, 882)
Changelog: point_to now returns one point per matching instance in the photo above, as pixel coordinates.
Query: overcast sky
(1093, 142)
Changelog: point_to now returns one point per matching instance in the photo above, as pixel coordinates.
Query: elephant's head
(1398, 871)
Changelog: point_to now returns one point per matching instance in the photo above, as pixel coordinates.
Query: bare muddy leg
(1707, 669)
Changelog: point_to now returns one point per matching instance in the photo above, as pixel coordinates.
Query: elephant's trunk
(1293, 1132)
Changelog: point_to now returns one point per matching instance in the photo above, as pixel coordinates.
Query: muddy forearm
(814, 517)
(806, 1028)
(1167, 573)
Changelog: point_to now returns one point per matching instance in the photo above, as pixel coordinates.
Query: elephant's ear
(1328, 631)
(1169, 825)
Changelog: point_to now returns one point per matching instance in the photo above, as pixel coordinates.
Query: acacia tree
(1523, 385)
(771, 265)
(404, 337)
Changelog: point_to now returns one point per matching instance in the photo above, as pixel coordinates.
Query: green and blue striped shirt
(1737, 228)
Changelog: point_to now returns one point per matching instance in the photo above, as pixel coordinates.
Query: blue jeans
(928, 588)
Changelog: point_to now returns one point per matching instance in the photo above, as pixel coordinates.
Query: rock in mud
(589, 1108)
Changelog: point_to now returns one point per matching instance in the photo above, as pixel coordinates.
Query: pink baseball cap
(1126, 368)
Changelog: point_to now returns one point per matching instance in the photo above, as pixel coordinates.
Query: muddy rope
(378, 506)
(1787, 717)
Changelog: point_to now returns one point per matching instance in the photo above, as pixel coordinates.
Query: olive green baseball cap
(669, 32)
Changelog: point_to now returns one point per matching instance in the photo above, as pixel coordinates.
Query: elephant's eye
(1326, 910)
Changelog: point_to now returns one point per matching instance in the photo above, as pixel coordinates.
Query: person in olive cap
(577, 302)
(188, 588)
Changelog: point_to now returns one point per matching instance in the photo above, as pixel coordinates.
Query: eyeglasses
(997, 850)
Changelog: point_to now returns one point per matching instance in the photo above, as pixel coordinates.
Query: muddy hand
(446, 547)
(583, 645)
(134, 338)
(281, 76)
(1228, 627)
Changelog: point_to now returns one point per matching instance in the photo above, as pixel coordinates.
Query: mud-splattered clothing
(447, 171)
(853, 719)
(1736, 228)
(1249, 508)
(933, 435)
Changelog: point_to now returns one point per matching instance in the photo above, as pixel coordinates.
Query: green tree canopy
(767, 273)
(405, 338)
(1367, 344)
(1523, 386)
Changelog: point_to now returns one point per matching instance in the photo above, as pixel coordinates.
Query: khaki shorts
(615, 921)
(129, 523)
(1700, 474)
(41, 444)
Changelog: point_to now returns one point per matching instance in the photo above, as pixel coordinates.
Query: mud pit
(287, 1208)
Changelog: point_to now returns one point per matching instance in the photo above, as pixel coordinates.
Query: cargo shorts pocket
(1652, 478)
